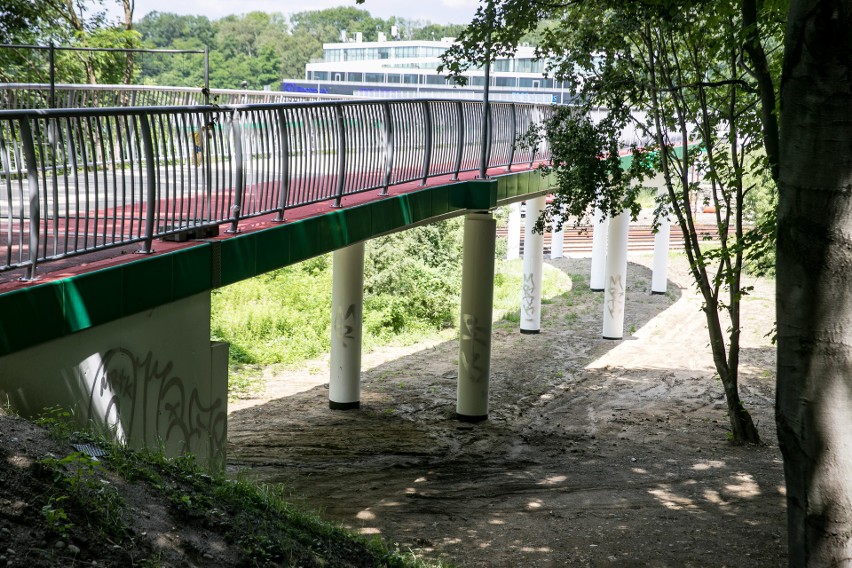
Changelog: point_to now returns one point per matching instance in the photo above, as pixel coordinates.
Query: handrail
(14, 96)
(74, 181)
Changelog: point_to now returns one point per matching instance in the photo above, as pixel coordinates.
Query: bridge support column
(476, 312)
(557, 238)
(532, 275)
(347, 300)
(597, 279)
(659, 276)
(514, 232)
(616, 276)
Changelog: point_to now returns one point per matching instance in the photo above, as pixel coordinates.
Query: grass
(284, 317)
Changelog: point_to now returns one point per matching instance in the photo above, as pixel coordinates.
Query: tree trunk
(814, 282)
(129, 6)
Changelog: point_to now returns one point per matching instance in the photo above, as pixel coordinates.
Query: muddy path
(596, 452)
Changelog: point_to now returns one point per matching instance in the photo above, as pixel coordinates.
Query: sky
(435, 11)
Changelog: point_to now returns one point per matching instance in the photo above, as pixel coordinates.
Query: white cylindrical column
(659, 276)
(557, 238)
(347, 299)
(597, 279)
(616, 276)
(532, 275)
(514, 232)
(477, 297)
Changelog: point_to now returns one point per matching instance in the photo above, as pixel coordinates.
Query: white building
(397, 69)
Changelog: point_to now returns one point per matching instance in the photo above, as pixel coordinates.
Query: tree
(814, 283)
(326, 25)
(670, 72)
(67, 23)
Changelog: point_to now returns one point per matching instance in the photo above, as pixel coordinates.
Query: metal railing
(38, 95)
(73, 181)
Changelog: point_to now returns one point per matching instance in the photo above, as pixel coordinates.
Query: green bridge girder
(43, 312)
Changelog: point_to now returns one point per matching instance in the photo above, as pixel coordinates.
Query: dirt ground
(596, 452)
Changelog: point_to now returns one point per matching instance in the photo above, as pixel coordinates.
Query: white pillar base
(557, 239)
(597, 278)
(476, 313)
(616, 276)
(659, 275)
(347, 300)
(532, 274)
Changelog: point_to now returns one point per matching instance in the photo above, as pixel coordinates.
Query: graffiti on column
(141, 399)
(616, 291)
(528, 296)
(344, 324)
(473, 341)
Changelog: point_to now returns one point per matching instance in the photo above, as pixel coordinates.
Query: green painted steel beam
(43, 312)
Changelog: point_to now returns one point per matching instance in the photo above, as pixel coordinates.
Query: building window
(410, 79)
(374, 77)
(320, 75)
(505, 82)
(393, 78)
(435, 80)
(503, 65)
(354, 77)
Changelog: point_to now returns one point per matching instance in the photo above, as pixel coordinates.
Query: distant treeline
(255, 49)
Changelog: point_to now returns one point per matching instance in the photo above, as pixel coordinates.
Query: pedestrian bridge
(116, 223)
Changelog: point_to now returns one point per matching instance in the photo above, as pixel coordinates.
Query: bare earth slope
(596, 452)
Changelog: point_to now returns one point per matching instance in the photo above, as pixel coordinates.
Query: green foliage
(77, 24)
(411, 284)
(56, 517)
(678, 95)
(412, 279)
(79, 483)
(279, 317)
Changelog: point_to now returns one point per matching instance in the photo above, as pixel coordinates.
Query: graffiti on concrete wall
(143, 401)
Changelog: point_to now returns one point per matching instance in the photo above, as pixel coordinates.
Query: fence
(74, 181)
(38, 95)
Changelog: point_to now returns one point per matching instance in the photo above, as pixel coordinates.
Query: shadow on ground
(596, 452)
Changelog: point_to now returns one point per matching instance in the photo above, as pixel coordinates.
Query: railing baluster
(389, 146)
(284, 143)
(32, 186)
(151, 184)
(427, 154)
(460, 139)
(341, 154)
(236, 208)
(514, 131)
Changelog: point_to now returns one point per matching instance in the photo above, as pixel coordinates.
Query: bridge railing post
(32, 186)
(284, 188)
(150, 183)
(341, 154)
(427, 154)
(389, 146)
(239, 166)
(460, 139)
(514, 131)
